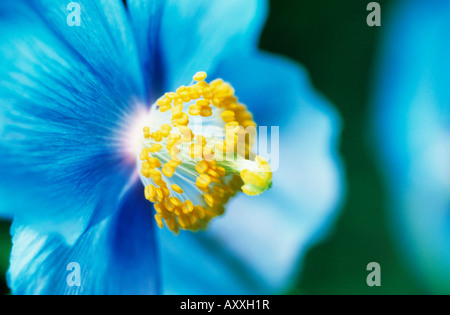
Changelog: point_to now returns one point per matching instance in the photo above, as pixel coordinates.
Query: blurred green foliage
(5, 247)
(331, 38)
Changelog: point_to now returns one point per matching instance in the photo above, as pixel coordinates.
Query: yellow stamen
(200, 76)
(188, 176)
(155, 148)
(177, 189)
(159, 220)
(203, 181)
(146, 132)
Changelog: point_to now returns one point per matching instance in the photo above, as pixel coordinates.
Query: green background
(332, 40)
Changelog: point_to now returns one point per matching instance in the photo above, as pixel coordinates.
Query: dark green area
(5, 247)
(331, 38)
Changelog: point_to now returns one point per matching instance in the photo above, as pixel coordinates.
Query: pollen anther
(184, 173)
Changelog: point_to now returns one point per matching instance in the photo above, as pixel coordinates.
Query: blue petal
(256, 246)
(271, 86)
(413, 128)
(116, 256)
(146, 22)
(65, 96)
(194, 35)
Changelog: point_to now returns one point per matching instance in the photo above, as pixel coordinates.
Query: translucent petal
(146, 22)
(256, 246)
(116, 256)
(194, 35)
(66, 94)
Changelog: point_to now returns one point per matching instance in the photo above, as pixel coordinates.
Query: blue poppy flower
(73, 104)
(413, 127)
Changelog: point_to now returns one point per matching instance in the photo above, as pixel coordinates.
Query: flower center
(197, 154)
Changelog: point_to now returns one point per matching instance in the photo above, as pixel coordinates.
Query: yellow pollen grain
(159, 195)
(193, 218)
(185, 96)
(171, 96)
(248, 123)
(164, 109)
(206, 112)
(223, 90)
(249, 176)
(175, 201)
(207, 93)
(167, 170)
(217, 102)
(144, 154)
(181, 119)
(155, 148)
(212, 164)
(221, 171)
(186, 133)
(155, 175)
(194, 110)
(245, 115)
(176, 110)
(146, 132)
(160, 183)
(203, 103)
(227, 116)
(203, 181)
(178, 102)
(159, 221)
(166, 215)
(153, 162)
(159, 208)
(157, 136)
(177, 189)
(169, 206)
(173, 137)
(182, 221)
(173, 164)
(165, 130)
(165, 191)
(196, 151)
(212, 173)
(200, 76)
(187, 206)
(181, 89)
(202, 84)
(216, 83)
(177, 211)
(150, 192)
(163, 102)
(145, 172)
(172, 225)
(209, 200)
(201, 167)
(200, 211)
(195, 92)
(231, 124)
